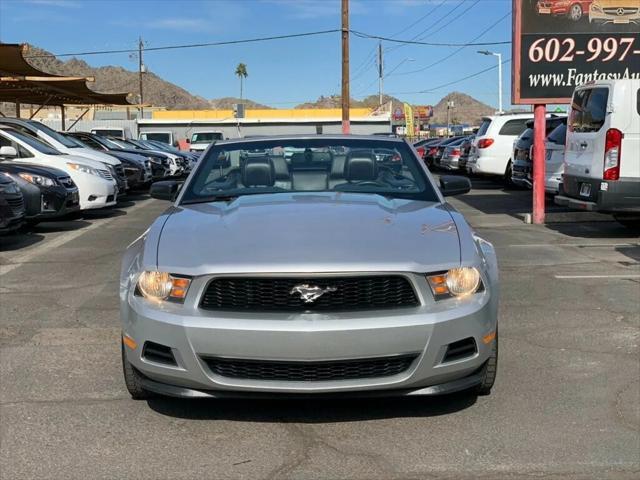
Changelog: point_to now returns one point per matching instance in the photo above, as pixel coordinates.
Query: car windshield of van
(58, 137)
(160, 137)
(34, 143)
(205, 137)
(387, 168)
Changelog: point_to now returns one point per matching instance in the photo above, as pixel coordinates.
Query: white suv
(602, 156)
(491, 150)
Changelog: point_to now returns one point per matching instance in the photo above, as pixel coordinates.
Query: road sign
(558, 45)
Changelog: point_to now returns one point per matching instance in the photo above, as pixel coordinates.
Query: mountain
(226, 103)
(110, 79)
(466, 109)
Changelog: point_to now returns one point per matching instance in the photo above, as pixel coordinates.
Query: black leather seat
(359, 166)
(258, 172)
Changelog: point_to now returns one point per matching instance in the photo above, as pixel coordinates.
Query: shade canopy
(22, 82)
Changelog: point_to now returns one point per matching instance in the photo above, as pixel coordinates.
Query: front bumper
(43, 203)
(632, 16)
(194, 335)
(98, 193)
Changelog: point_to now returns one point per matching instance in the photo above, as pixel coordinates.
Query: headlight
(163, 286)
(37, 179)
(457, 282)
(84, 169)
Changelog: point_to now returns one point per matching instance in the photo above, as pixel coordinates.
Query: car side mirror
(454, 185)
(187, 140)
(9, 152)
(167, 190)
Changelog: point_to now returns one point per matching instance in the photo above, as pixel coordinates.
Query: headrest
(360, 166)
(258, 172)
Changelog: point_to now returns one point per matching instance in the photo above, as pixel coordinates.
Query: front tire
(575, 12)
(508, 183)
(489, 370)
(133, 380)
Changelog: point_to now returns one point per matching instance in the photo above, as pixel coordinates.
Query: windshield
(206, 137)
(317, 165)
(53, 134)
(33, 142)
(157, 136)
(77, 141)
(107, 132)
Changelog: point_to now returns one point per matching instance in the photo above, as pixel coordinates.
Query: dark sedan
(48, 193)
(11, 205)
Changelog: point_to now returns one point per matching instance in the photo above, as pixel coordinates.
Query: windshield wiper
(212, 198)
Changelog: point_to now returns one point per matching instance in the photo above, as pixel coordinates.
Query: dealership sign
(559, 44)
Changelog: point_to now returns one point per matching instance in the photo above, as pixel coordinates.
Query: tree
(241, 72)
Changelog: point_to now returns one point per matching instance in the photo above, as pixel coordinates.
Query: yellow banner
(408, 118)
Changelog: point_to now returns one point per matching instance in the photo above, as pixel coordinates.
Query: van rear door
(584, 153)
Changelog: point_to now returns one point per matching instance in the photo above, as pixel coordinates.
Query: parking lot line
(17, 260)
(576, 277)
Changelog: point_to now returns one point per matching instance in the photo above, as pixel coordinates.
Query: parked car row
(45, 174)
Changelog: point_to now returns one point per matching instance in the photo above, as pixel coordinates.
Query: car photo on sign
(578, 16)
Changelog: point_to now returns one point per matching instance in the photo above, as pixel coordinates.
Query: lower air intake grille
(154, 352)
(460, 349)
(310, 371)
(286, 294)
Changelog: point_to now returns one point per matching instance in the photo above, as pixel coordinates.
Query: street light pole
(499, 55)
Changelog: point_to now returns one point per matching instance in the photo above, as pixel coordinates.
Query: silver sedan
(331, 271)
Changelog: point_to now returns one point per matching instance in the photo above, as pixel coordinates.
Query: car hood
(94, 155)
(133, 157)
(308, 232)
(34, 169)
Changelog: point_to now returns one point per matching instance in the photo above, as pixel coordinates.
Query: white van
(602, 157)
(491, 150)
(202, 139)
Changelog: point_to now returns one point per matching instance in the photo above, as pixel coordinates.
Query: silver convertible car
(316, 265)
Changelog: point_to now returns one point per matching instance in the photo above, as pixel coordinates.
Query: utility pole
(450, 105)
(380, 72)
(140, 72)
(345, 67)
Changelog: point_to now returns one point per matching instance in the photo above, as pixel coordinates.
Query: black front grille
(285, 293)
(310, 371)
(460, 349)
(119, 170)
(16, 204)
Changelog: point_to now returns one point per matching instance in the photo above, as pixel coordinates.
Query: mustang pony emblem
(310, 293)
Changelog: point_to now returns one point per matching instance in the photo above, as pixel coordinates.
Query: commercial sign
(423, 111)
(408, 116)
(558, 45)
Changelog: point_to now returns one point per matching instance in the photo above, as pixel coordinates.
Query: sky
(282, 73)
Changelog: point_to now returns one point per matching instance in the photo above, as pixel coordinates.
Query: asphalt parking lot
(566, 403)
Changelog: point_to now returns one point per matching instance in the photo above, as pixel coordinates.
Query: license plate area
(585, 189)
(544, 10)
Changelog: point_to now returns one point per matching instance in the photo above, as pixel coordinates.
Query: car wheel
(507, 176)
(629, 221)
(575, 12)
(489, 370)
(133, 380)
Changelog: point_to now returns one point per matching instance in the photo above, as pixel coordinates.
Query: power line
(191, 45)
(437, 62)
(432, 25)
(430, 12)
(430, 44)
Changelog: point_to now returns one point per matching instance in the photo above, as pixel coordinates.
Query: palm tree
(241, 72)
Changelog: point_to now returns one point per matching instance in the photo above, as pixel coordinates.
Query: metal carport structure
(22, 83)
